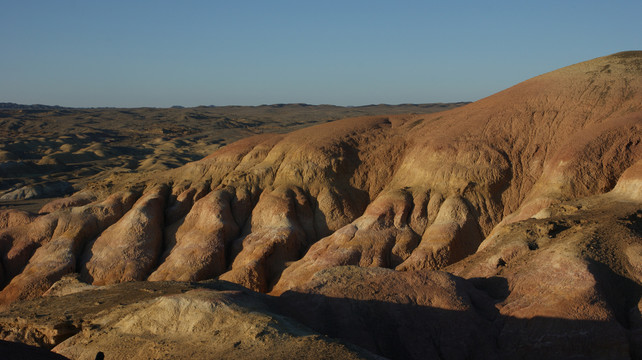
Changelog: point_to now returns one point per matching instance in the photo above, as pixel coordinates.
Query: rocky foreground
(507, 228)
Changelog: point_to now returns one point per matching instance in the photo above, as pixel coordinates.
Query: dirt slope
(163, 320)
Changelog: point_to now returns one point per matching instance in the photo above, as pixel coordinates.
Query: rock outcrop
(571, 283)
(199, 245)
(129, 249)
(53, 245)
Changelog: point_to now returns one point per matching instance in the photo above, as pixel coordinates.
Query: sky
(90, 53)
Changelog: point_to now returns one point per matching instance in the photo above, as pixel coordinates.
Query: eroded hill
(517, 216)
(51, 151)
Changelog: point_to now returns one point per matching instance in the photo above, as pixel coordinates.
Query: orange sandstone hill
(509, 227)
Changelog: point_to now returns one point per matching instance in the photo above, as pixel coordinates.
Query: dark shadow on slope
(17, 351)
(495, 286)
(633, 222)
(410, 331)
(396, 330)
(621, 293)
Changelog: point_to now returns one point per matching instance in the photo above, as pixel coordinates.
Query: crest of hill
(537, 127)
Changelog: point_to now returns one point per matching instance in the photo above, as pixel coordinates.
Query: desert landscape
(51, 151)
(510, 227)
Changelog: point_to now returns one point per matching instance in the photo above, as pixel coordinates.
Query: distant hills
(14, 106)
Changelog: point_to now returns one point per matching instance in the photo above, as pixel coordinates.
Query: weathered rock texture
(129, 249)
(198, 245)
(532, 195)
(568, 281)
(42, 251)
(160, 320)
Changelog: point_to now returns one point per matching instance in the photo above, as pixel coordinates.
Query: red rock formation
(453, 235)
(499, 160)
(510, 155)
(381, 237)
(573, 274)
(532, 195)
(200, 241)
(280, 229)
(77, 199)
(129, 249)
(11, 218)
(59, 248)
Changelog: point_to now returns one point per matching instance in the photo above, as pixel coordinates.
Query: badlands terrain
(51, 151)
(507, 228)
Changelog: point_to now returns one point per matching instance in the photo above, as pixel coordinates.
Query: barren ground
(49, 152)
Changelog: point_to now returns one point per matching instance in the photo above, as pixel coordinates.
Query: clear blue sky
(163, 53)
